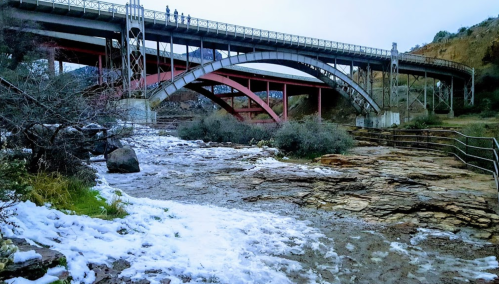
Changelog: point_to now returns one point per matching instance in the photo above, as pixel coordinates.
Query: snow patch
(203, 243)
(23, 256)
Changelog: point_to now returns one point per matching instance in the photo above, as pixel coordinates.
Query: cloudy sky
(362, 22)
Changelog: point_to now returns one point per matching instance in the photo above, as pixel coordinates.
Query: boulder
(123, 160)
(92, 128)
(106, 147)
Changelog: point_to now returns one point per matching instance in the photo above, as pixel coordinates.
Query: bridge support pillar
(451, 112)
(51, 61)
(319, 102)
(268, 93)
(394, 73)
(138, 110)
(134, 52)
(386, 119)
(285, 103)
(100, 70)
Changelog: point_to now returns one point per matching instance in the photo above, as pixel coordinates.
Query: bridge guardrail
(247, 32)
(481, 153)
(434, 61)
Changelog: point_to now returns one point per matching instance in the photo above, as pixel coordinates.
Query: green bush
(223, 128)
(423, 122)
(441, 35)
(13, 178)
(311, 139)
(484, 23)
(488, 114)
(13, 185)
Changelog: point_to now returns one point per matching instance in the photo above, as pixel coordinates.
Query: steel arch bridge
(130, 29)
(358, 95)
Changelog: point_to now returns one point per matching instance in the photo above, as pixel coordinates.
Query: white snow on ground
(200, 242)
(22, 256)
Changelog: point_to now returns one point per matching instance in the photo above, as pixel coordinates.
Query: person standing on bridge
(182, 19)
(167, 13)
(189, 20)
(175, 16)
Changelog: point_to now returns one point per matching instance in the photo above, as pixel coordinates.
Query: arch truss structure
(324, 72)
(261, 106)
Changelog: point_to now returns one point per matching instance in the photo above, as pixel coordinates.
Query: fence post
(466, 151)
(427, 139)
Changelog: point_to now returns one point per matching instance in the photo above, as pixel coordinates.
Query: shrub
(423, 122)
(310, 139)
(462, 29)
(441, 35)
(488, 114)
(484, 23)
(226, 128)
(13, 185)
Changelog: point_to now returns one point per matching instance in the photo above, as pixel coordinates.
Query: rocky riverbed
(387, 215)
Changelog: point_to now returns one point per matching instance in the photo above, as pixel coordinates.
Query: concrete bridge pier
(385, 119)
(137, 111)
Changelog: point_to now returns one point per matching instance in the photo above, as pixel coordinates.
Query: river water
(350, 250)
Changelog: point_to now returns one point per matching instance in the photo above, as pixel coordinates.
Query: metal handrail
(427, 141)
(255, 34)
(445, 138)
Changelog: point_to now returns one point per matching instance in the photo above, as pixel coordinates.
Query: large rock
(106, 147)
(123, 160)
(92, 128)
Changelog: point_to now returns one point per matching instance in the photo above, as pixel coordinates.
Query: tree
(42, 111)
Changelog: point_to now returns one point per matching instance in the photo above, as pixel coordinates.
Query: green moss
(63, 262)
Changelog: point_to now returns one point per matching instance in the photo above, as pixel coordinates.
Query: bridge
(368, 77)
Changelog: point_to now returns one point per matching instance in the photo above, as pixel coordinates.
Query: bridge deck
(104, 19)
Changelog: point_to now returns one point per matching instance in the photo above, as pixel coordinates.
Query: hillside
(476, 46)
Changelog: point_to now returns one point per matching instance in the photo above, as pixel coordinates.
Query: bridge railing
(481, 153)
(258, 34)
(434, 61)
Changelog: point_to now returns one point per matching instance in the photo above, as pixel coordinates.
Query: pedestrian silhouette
(167, 13)
(182, 18)
(175, 15)
(188, 19)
